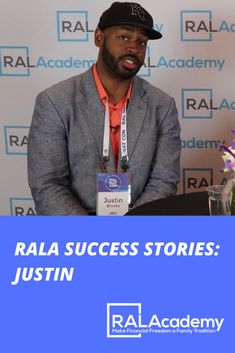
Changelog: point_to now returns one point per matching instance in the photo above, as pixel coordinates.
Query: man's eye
(143, 43)
(123, 37)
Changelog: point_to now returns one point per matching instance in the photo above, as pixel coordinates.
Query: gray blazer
(66, 138)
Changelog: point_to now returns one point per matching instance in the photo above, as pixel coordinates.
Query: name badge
(112, 194)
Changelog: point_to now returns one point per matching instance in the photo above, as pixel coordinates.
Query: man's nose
(132, 47)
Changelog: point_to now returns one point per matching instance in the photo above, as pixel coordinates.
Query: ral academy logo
(116, 313)
(14, 61)
(199, 103)
(16, 139)
(195, 179)
(22, 206)
(73, 26)
(198, 179)
(164, 62)
(126, 320)
(199, 26)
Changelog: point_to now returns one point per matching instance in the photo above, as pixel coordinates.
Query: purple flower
(228, 156)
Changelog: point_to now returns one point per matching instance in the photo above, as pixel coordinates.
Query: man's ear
(98, 37)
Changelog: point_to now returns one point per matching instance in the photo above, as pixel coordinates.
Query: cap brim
(152, 34)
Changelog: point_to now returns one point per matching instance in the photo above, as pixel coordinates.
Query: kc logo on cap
(138, 10)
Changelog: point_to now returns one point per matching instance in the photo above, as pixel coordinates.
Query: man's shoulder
(67, 87)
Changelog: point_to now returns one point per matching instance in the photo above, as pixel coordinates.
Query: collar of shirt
(104, 97)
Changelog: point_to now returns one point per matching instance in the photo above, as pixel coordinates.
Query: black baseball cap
(128, 13)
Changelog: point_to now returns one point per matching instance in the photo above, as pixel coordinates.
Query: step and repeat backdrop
(42, 43)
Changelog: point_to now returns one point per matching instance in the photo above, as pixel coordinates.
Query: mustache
(130, 57)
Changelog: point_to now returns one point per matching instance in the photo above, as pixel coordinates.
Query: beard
(113, 64)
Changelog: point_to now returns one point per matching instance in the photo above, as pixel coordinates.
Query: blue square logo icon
(14, 61)
(73, 26)
(16, 139)
(195, 25)
(197, 103)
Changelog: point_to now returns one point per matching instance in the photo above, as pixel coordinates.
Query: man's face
(123, 50)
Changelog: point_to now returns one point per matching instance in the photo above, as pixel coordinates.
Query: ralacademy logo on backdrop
(198, 103)
(200, 26)
(195, 179)
(152, 61)
(16, 61)
(16, 139)
(198, 179)
(73, 26)
(127, 320)
(22, 206)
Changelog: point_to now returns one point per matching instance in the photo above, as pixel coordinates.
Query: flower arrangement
(229, 166)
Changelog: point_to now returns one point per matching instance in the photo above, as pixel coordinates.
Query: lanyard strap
(123, 137)
(106, 138)
(123, 141)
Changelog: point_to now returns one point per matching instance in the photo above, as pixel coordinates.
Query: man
(73, 121)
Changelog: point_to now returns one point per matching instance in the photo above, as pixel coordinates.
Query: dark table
(192, 204)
